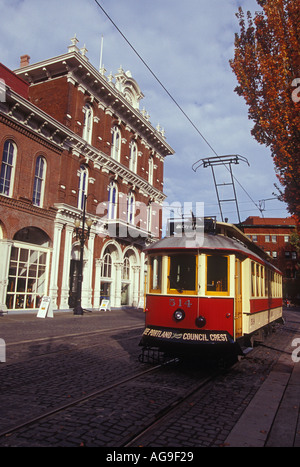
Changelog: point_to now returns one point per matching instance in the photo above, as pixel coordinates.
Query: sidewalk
(272, 419)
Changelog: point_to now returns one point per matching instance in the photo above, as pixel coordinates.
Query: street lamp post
(81, 235)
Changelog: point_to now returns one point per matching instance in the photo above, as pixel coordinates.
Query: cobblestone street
(85, 371)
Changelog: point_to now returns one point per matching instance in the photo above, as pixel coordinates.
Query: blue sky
(188, 46)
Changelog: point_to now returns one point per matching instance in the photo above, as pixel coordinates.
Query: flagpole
(101, 52)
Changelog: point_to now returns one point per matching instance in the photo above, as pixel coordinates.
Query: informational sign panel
(104, 305)
(45, 308)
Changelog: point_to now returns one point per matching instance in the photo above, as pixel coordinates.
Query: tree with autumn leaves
(267, 66)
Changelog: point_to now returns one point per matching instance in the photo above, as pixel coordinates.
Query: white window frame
(112, 200)
(133, 156)
(149, 217)
(28, 271)
(39, 182)
(150, 170)
(116, 143)
(130, 208)
(7, 166)
(82, 185)
(106, 270)
(88, 123)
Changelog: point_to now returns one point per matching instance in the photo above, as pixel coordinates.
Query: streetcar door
(238, 310)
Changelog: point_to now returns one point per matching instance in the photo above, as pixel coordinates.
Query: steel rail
(61, 408)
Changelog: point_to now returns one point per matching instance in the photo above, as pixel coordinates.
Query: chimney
(24, 61)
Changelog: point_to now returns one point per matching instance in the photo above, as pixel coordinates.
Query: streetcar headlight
(179, 314)
(200, 321)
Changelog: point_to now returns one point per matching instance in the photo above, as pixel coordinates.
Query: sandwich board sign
(45, 308)
(104, 305)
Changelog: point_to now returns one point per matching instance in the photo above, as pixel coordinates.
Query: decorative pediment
(127, 86)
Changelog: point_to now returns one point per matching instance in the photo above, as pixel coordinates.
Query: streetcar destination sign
(187, 336)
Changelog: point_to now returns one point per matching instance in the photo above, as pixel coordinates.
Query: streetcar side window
(217, 275)
(155, 274)
(182, 274)
(253, 281)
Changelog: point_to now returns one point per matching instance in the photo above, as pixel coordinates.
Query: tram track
(64, 336)
(154, 420)
(61, 408)
(134, 404)
(73, 346)
(166, 412)
(11, 435)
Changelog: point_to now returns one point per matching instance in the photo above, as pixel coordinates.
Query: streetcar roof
(236, 243)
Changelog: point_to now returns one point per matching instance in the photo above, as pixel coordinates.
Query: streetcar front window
(182, 274)
(155, 274)
(217, 275)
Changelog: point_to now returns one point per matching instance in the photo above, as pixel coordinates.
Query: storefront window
(27, 280)
(106, 273)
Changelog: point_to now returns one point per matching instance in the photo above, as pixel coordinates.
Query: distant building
(68, 133)
(273, 236)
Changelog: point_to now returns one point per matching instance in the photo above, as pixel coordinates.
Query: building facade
(273, 235)
(71, 139)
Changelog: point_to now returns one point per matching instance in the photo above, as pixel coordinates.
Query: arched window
(133, 156)
(150, 170)
(112, 201)
(149, 217)
(126, 268)
(87, 123)
(82, 185)
(130, 208)
(116, 143)
(28, 269)
(106, 265)
(39, 181)
(8, 168)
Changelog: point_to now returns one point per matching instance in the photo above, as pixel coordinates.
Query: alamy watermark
(296, 92)
(2, 350)
(2, 90)
(137, 221)
(296, 352)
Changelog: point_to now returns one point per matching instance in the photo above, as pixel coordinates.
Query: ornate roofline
(77, 68)
(34, 120)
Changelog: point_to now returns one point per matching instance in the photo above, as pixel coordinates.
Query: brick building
(69, 134)
(273, 236)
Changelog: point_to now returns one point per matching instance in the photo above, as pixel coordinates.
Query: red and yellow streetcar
(208, 290)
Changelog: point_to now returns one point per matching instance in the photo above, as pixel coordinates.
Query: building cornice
(39, 124)
(78, 69)
(25, 205)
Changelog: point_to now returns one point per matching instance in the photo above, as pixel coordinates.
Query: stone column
(88, 274)
(5, 249)
(65, 287)
(97, 288)
(118, 284)
(53, 289)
